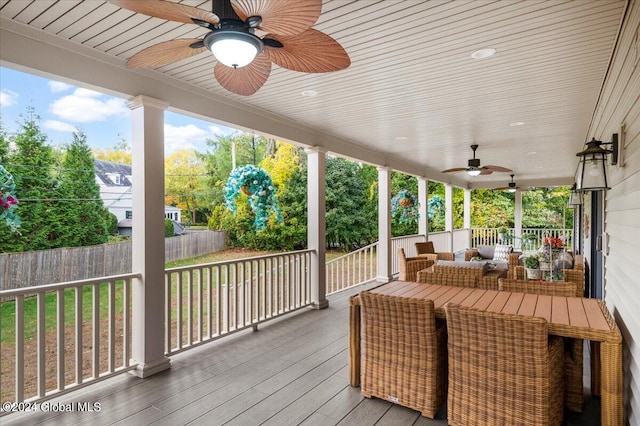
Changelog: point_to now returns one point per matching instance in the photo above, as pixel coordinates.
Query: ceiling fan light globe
(232, 48)
(511, 190)
(474, 172)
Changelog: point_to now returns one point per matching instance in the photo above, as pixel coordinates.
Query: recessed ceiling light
(531, 153)
(309, 93)
(401, 138)
(517, 123)
(483, 53)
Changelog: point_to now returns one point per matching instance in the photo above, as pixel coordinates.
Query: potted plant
(256, 184)
(404, 207)
(502, 233)
(532, 266)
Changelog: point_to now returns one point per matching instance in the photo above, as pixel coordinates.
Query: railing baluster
(179, 310)
(112, 326)
(60, 338)
(40, 345)
(198, 276)
(96, 332)
(19, 348)
(189, 308)
(126, 301)
(167, 313)
(79, 339)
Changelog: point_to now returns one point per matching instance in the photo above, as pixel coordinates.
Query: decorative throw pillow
(501, 252)
(486, 252)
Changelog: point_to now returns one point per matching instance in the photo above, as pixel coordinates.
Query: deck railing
(208, 301)
(52, 329)
(361, 265)
(489, 236)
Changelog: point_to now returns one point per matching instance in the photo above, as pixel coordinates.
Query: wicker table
(574, 317)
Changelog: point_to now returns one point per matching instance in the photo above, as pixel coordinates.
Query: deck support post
(517, 221)
(148, 236)
(423, 209)
(384, 225)
(448, 214)
(316, 225)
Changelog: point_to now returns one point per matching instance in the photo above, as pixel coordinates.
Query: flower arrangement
(554, 242)
(256, 184)
(404, 207)
(8, 200)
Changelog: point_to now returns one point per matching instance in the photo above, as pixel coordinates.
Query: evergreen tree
(31, 164)
(81, 211)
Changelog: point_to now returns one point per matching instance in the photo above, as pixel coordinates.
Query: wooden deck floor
(291, 372)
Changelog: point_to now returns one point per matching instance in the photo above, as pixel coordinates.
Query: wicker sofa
(487, 253)
(479, 274)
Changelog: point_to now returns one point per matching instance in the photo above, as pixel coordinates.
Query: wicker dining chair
(574, 348)
(440, 278)
(404, 356)
(426, 249)
(409, 266)
(503, 369)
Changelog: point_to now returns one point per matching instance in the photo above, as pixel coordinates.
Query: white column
(448, 213)
(423, 199)
(316, 225)
(517, 222)
(467, 214)
(148, 236)
(384, 225)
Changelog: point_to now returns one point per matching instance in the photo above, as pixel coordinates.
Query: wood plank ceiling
(412, 94)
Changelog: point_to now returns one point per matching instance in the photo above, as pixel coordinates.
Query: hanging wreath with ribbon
(404, 207)
(257, 185)
(8, 200)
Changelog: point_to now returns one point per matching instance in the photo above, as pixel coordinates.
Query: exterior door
(597, 270)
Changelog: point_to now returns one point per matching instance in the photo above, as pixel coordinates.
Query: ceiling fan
(246, 36)
(474, 168)
(512, 187)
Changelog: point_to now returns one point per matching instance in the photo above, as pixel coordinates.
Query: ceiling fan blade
(284, 18)
(245, 80)
(455, 169)
(498, 169)
(485, 171)
(167, 10)
(312, 51)
(165, 53)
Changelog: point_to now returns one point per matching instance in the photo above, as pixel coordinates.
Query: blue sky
(104, 119)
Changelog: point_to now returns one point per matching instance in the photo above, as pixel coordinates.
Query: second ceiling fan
(473, 166)
(247, 37)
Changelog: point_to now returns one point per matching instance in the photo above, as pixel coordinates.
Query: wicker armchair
(426, 249)
(404, 352)
(409, 266)
(503, 369)
(574, 348)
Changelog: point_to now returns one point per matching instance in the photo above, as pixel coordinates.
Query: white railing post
(517, 222)
(316, 225)
(448, 214)
(423, 210)
(148, 238)
(384, 225)
(467, 217)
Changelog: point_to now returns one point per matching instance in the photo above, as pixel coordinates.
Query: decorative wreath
(256, 184)
(404, 207)
(8, 200)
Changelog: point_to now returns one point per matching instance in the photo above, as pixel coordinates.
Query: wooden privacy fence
(27, 269)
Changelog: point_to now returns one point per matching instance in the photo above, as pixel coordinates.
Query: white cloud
(59, 126)
(85, 106)
(187, 137)
(58, 86)
(8, 98)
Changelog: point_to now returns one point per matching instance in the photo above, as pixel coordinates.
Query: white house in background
(115, 190)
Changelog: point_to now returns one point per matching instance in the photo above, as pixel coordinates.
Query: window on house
(129, 214)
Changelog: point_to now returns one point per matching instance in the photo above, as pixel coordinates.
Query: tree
(120, 153)
(31, 164)
(186, 183)
(347, 225)
(80, 208)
